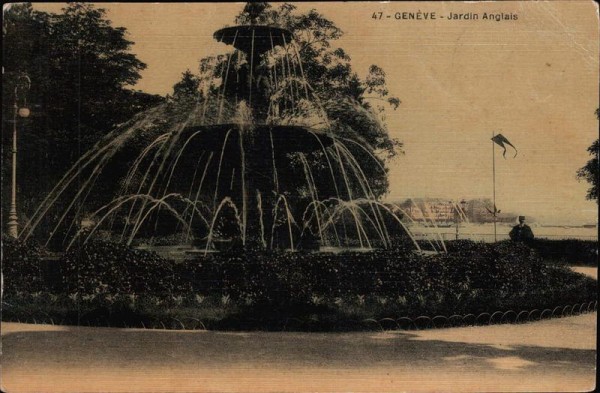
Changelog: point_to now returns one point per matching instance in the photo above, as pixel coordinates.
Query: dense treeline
(74, 71)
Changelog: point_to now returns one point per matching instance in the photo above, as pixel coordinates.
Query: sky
(533, 79)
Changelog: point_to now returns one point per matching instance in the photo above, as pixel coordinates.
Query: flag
(495, 212)
(501, 141)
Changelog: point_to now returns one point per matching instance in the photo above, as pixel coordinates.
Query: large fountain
(254, 166)
(253, 163)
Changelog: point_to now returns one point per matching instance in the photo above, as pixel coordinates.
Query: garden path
(550, 355)
(587, 270)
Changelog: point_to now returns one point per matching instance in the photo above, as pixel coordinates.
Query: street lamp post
(13, 224)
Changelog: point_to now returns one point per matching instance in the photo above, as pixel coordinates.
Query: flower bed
(107, 284)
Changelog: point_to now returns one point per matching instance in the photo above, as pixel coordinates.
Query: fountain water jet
(265, 149)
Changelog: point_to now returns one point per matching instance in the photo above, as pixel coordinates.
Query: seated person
(521, 232)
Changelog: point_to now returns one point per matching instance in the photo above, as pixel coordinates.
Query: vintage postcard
(300, 197)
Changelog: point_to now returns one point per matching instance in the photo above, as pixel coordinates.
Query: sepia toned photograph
(300, 197)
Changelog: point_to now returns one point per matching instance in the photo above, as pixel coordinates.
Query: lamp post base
(13, 225)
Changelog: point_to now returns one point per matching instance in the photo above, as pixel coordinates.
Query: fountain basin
(253, 38)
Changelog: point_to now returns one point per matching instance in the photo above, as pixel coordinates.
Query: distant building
(441, 210)
(437, 210)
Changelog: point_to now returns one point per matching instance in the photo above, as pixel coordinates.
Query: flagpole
(494, 183)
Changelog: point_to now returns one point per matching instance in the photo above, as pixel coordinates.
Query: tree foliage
(590, 172)
(328, 68)
(355, 107)
(187, 87)
(80, 68)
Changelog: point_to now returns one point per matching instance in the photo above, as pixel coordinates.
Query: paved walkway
(551, 355)
(587, 270)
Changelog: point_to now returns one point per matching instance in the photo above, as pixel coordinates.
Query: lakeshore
(485, 232)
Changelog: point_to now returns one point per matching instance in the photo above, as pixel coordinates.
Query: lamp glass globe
(24, 112)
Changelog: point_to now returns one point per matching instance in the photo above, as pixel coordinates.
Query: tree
(355, 108)
(590, 172)
(187, 87)
(80, 68)
(327, 68)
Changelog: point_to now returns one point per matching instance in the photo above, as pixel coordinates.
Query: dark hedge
(569, 251)
(104, 282)
(473, 277)
(101, 267)
(22, 268)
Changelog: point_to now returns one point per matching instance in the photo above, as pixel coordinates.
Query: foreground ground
(550, 356)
